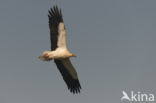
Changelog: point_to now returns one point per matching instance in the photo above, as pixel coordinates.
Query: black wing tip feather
(74, 86)
(55, 14)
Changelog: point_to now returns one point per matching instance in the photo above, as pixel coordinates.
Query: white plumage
(61, 51)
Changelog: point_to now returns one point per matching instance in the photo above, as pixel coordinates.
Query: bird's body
(59, 51)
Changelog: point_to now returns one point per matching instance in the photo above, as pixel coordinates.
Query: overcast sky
(114, 40)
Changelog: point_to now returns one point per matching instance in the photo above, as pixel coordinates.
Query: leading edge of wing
(72, 82)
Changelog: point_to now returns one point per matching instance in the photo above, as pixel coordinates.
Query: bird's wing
(69, 75)
(57, 28)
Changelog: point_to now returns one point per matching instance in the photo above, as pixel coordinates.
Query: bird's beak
(73, 55)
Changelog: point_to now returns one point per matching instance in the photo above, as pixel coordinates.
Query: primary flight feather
(59, 51)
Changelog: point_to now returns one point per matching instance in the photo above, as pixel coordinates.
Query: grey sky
(114, 41)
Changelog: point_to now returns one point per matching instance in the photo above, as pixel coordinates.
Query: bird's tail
(44, 56)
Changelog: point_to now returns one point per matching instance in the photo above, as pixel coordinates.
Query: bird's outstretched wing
(57, 28)
(69, 75)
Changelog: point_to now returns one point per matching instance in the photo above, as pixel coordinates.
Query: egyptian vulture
(59, 51)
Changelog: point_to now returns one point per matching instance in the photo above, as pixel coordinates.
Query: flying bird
(59, 52)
